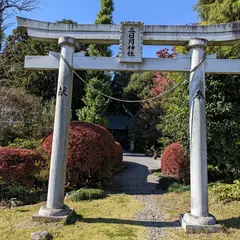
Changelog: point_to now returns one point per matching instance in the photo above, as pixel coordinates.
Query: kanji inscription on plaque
(131, 42)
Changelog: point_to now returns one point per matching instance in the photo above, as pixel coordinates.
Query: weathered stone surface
(213, 66)
(131, 42)
(219, 34)
(49, 212)
(198, 226)
(15, 203)
(51, 216)
(56, 183)
(197, 127)
(40, 235)
(208, 220)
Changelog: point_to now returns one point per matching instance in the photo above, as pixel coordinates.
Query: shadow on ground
(22, 210)
(131, 222)
(228, 223)
(231, 223)
(134, 180)
(79, 218)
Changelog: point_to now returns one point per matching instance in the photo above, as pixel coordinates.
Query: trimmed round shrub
(87, 194)
(117, 154)
(19, 166)
(175, 163)
(91, 154)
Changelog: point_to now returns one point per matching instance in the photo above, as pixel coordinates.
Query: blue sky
(155, 12)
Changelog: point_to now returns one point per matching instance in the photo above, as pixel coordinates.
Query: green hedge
(227, 192)
(87, 194)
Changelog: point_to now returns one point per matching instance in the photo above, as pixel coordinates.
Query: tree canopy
(96, 104)
(218, 11)
(8, 9)
(222, 98)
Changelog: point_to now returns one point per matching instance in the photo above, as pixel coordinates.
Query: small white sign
(131, 42)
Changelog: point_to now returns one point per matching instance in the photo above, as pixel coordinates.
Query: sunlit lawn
(110, 218)
(113, 218)
(228, 214)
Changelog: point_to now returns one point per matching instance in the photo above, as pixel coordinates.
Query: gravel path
(137, 180)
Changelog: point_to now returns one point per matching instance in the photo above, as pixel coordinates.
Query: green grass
(111, 218)
(228, 214)
(157, 173)
(177, 187)
(105, 219)
(87, 194)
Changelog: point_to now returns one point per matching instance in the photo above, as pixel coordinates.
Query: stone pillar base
(192, 224)
(45, 214)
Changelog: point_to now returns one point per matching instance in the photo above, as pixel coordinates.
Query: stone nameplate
(131, 42)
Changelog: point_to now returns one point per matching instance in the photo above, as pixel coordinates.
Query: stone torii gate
(131, 36)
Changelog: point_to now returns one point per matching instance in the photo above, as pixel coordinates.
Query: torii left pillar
(55, 208)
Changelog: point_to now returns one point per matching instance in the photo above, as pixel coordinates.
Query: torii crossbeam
(178, 64)
(131, 36)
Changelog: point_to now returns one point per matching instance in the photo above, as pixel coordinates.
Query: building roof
(118, 122)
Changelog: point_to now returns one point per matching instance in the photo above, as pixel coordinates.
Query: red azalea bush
(90, 152)
(175, 163)
(117, 154)
(19, 165)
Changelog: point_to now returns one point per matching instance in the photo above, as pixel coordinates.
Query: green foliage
(39, 121)
(227, 192)
(157, 173)
(177, 187)
(218, 11)
(145, 116)
(118, 84)
(40, 83)
(222, 91)
(103, 17)
(222, 107)
(165, 182)
(23, 115)
(95, 104)
(222, 100)
(14, 191)
(23, 194)
(25, 143)
(17, 190)
(174, 123)
(105, 14)
(13, 73)
(214, 174)
(67, 21)
(87, 194)
(42, 176)
(140, 85)
(223, 124)
(46, 121)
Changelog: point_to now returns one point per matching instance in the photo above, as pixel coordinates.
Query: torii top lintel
(220, 34)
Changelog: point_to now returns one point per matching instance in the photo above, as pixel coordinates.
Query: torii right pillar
(198, 219)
